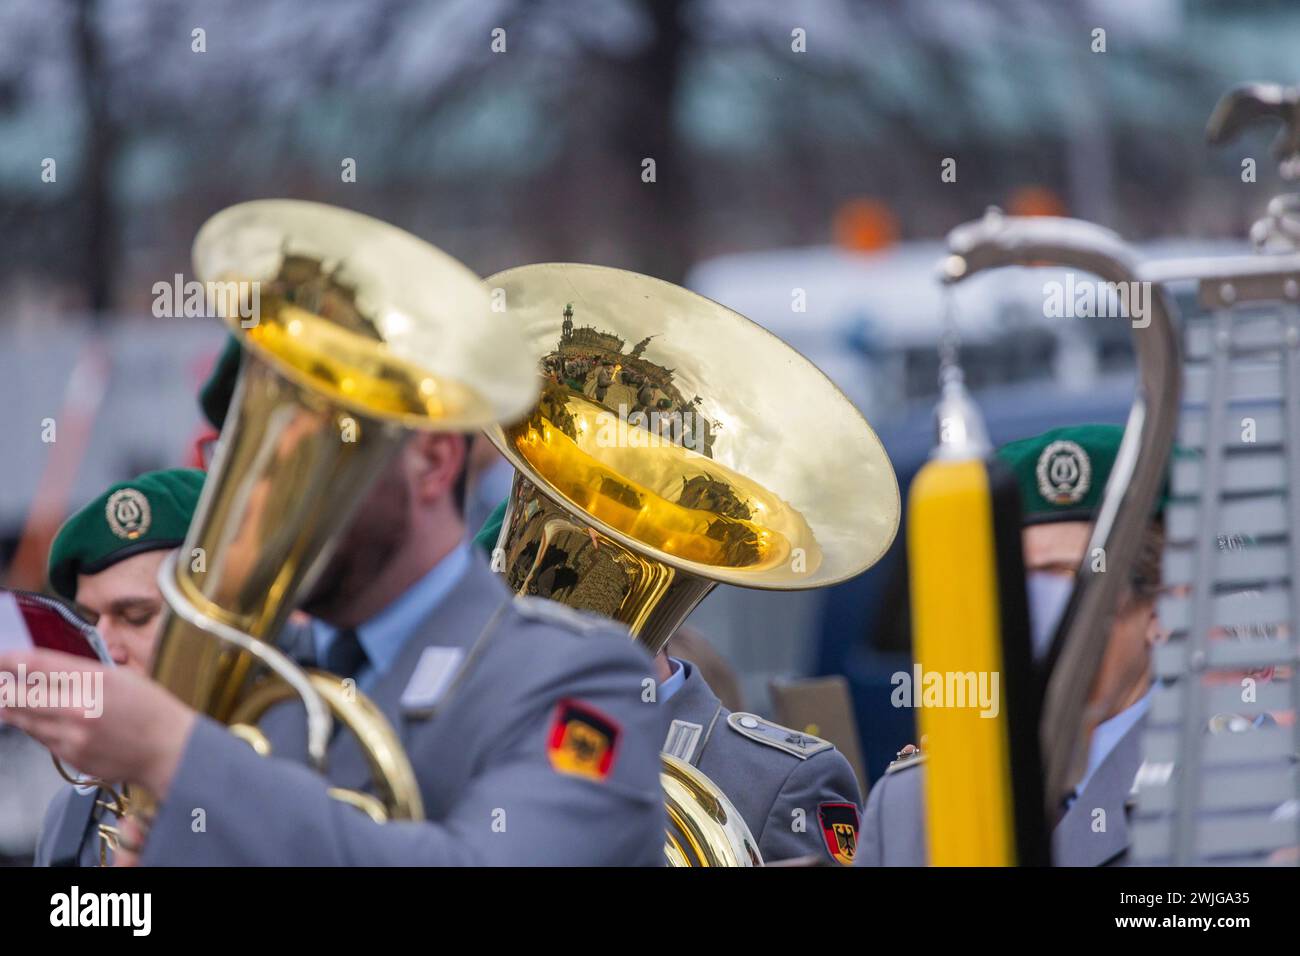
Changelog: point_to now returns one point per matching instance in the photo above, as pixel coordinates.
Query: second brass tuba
(360, 333)
(678, 445)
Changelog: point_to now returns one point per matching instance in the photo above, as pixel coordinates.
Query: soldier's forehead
(131, 579)
(1055, 542)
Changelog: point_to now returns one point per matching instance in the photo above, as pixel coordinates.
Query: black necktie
(345, 656)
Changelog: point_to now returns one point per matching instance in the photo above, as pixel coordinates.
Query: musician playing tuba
(524, 720)
(650, 470)
(796, 792)
(481, 729)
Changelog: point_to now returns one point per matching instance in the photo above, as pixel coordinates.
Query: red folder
(54, 625)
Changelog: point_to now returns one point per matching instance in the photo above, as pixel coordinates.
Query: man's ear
(438, 460)
(1156, 634)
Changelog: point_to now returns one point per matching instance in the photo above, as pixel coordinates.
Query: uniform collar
(1075, 841)
(456, 622)
(693, 710)
(675, 682)
(694, 700)
(1108, 734)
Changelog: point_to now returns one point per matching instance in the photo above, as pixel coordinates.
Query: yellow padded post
(956, 628)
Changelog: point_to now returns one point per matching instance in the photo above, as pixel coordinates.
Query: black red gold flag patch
(582, 741)
(839, 823)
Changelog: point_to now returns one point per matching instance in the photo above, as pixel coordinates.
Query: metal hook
(1251, 103)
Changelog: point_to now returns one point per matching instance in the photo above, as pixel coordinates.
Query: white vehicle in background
(873, 320)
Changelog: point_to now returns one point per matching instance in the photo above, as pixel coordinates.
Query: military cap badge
(149, 512)
(127, 511)
(1064, 473)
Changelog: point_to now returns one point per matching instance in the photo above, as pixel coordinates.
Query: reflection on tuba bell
(362, 333)
(677, 445)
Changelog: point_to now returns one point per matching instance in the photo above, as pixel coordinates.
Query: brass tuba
(677, 445)
(359, 333)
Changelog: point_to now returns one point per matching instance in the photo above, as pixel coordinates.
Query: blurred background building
(797, 145)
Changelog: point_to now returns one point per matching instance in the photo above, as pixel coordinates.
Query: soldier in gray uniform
(1093, 831)
(69, 833)
(797, 794)
(1062, 475)
(106, 557)
(524, 721)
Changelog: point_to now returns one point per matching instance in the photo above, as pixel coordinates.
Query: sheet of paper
(13, 629)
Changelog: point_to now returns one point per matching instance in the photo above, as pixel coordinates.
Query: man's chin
(321, 598)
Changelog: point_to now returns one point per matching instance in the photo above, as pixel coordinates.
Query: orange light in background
(865, 225)
(1035, 201)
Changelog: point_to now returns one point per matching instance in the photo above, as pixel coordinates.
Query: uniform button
(749, 723)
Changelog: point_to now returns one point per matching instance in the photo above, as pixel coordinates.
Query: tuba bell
(678, 445)
(362, 333)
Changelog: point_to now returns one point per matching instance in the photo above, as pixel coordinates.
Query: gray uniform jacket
(70, 835)
(893, 825)
(770, 773)
(541, 752)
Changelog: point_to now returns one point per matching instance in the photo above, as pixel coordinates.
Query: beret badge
(1064, 473)
(128, 514)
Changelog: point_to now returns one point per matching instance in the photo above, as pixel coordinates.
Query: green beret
(1062, 473)
(147, 513)
(491, 530)
(219, 389)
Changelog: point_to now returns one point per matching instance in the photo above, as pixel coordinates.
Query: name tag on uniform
(432, 676)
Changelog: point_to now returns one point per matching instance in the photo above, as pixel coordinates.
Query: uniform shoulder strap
(561, 615)
(762, 731)
(904, 760)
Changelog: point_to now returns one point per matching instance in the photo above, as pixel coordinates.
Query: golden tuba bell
(677, 445)
(360, 333)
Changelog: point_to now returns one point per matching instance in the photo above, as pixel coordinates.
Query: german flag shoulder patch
(582, 742)
(839, 823)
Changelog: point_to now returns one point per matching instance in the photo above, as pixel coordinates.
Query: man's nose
(115, 644)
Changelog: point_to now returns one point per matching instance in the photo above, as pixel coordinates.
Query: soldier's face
(1058, 549)
(1055, 548)
(376, 535)
(1126, 665)
(125, 605)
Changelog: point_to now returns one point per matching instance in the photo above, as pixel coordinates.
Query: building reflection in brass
(676, 444)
